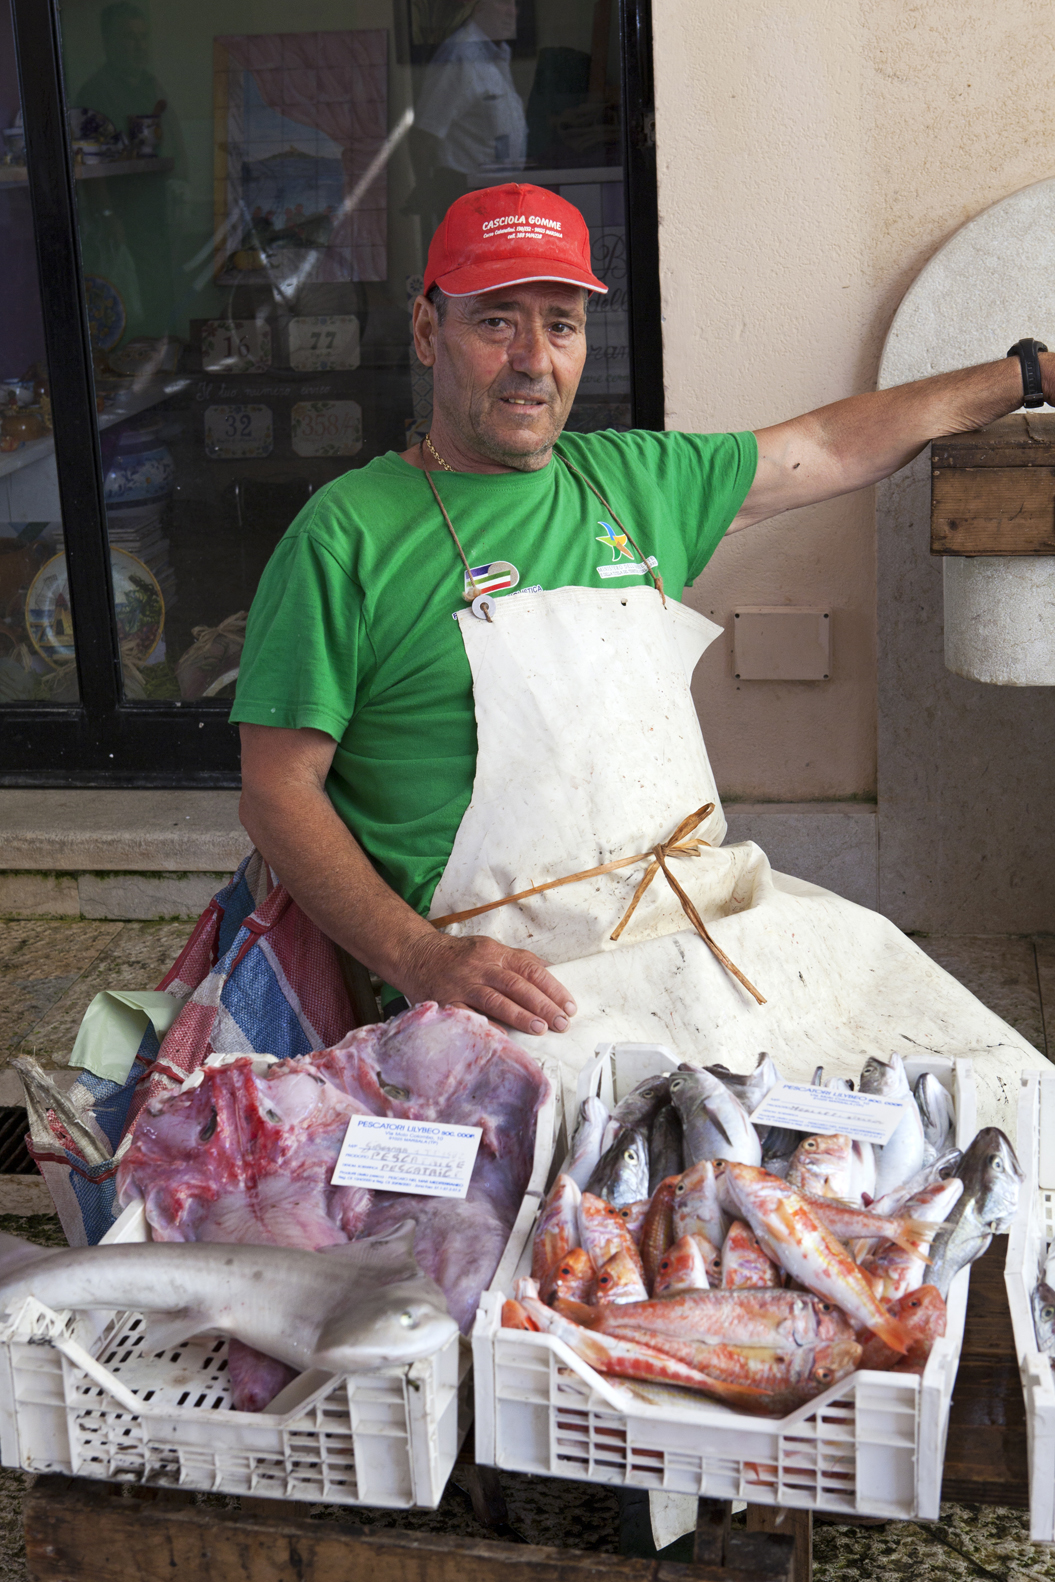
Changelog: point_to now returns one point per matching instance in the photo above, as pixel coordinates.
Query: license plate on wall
(238, 431)
(323, 342)
(235, 346)
(327, 428)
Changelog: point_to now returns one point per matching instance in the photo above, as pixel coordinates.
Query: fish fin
(165, 1329)
(915, 1237)
(389, 1258)
(716, 1123)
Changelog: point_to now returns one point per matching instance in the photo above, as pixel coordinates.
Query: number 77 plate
(237, 431)
(324, 341)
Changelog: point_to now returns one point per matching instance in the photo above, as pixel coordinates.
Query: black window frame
(101, 740)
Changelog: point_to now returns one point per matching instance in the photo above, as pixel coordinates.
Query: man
(358, 706)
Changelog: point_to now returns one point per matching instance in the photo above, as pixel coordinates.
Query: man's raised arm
(855, 442)
(292, 822)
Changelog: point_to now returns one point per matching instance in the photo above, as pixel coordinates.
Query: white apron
(590, 749)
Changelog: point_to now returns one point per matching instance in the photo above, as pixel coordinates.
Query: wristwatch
(1032, 383)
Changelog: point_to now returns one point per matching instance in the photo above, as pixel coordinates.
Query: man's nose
(530, 353)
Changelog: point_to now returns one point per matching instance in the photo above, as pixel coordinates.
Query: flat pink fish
(821, 1165)
(696, 1206)
(620, 1281)
(557, 1231)
(683, 1268)
(744, 1262)
(923, 1313)
(635, 1215)
(807, 1250)
(603, 1232)
(629, 1359)
(571, 1276)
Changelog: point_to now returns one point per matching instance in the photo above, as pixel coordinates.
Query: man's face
(497, 18)
(506, 366)
(127, 46)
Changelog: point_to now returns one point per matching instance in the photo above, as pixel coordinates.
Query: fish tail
(915, 1237)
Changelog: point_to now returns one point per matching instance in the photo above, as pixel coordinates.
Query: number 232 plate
(238, 431)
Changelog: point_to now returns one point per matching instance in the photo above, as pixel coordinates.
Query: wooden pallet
(78, 1529)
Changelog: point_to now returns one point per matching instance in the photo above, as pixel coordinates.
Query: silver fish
(715, 1123)
(885, 1078)
(992, 1177)
(936, 1113)
(358, 1306)
(778, 1146)
(586, 1149)
(902, 1155)
(639, 1107)
(840, 1084)
(665, 1147)
(939, 1169)
(621, 1175)
(862, 1171)
(817, 1079)
(1044, 1318)
(751, 1088)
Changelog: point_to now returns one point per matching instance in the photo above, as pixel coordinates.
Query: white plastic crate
(78, 1394)
(872, 1445)
(1027, 1248)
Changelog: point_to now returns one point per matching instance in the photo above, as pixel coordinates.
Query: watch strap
(1029, 361)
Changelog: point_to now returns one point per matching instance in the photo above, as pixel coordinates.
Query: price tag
(235, 346)
(327, 428)
(826, 1111)
(238, 431)
(324, 342)
(425, 1158)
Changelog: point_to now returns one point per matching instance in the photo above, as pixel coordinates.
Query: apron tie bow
(679, 843)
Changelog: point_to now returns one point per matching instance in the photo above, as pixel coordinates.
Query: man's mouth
(523, 400)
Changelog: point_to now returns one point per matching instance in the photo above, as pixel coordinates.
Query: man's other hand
(510, 986)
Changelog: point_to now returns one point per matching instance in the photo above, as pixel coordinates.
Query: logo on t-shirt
(616, 542)
(493, 577)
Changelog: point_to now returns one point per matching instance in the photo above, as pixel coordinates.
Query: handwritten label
(425, 1158)
(825, 1111)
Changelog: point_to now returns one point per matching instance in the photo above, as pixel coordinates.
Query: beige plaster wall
(812, 155)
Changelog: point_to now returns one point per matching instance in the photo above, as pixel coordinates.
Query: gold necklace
(444, 464)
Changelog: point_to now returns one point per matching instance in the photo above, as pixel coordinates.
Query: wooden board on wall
(993, 490)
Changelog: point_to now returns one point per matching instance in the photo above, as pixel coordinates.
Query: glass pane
(37, 662)
(256, 194)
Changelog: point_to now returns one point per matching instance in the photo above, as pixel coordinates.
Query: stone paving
(49, 971)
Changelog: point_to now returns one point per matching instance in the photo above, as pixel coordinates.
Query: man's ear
(425, 322)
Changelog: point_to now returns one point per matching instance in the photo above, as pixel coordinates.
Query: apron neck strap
(656, 578)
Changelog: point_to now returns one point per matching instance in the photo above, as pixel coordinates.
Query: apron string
(656, 578)
(468, 597)
(677, 844)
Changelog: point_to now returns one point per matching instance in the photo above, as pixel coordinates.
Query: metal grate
(14, 1124)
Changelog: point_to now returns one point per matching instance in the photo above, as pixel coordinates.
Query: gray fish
(715, 1123)
(817, 1079)
(355, 1307)
(936, 1113)
(622, 1174)
(992, 1177)
(639, 1107)
(778, 1145)
(1044, 1318)
(665, 1156)
(750, 1088)
(885, 1078)
(587, 1145)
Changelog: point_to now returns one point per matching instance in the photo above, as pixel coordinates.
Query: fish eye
(823, 1375)
(826, 1307)
(811, 1144)
(409, 1319)
(996, 1162)
(631, 1155)
(1047, 1313)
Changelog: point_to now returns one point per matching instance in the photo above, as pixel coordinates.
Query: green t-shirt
(351, 629)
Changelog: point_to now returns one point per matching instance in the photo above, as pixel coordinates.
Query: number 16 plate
(237, 431)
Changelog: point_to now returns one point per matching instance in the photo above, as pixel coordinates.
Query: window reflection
(256, 194)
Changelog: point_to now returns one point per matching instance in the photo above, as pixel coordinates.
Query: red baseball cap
(505, 236)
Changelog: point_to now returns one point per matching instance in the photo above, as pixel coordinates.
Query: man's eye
(494, 324)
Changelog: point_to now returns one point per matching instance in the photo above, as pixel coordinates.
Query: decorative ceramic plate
(140, 608)
(106, 312)
(327, 428)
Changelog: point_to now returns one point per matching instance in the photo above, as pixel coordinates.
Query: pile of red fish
(734, 1283)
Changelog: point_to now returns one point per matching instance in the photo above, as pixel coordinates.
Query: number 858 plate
(237, 431)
